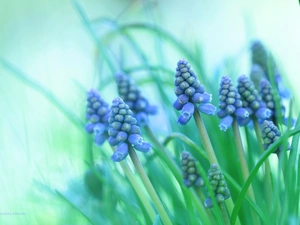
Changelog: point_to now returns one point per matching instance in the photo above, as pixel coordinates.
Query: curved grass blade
(261, 160)
(186, 140)
(93, 35)
(43, 91)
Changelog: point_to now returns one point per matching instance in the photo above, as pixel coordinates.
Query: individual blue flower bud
(263, 113)
(89, 128)
(99, 128)
(124, 132)
(270, 134)
(230, 104)
(142, 118)
(135, 139)
(97, 114)
(218, 185)
(191, 177)
(99, 139)
(143, 147)
(226, 122)
(186, 113)
(120, 153)
(207, 108)
(113, 141)
(132, 96)
(189, 93)
(202, 98)
(177, 105)
(251, 99)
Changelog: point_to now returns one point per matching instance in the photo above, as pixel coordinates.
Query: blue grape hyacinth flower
(230, 104)
(132, 96)
(252, 101)
(97, 114)
(270, 133)
(190, 92)
(218, 185)
(124, 131)
(191, 177)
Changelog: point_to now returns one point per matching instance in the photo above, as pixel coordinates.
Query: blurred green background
(48, 41)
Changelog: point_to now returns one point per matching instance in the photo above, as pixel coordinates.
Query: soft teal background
(47, 41)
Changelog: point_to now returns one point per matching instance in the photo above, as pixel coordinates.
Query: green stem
(159, 206)
(267, 181)
(205, 138)
(209, 150)
(137, 189)
(204, 210)
(163, 153)
(224, 213)
(244, 166)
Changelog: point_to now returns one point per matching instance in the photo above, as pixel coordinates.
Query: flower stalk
(150, 189)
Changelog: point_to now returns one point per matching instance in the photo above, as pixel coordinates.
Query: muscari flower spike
(230, 104)
(124, 131)
(132, 96)
(191, 177)
(270, 134)
(260, 55)
(218, 184)
(251, 101)
(189, 92)
(263, 58)
(97, 114)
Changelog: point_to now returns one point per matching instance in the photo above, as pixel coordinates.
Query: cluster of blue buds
(97, 114)
(132, 96)
(251, 101)
(218, 184)
(189, 92)
(124, 131)
(270, 134)
(191, 177)
(230, 104)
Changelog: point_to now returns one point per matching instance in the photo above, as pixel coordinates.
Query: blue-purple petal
(226, 122)
(144, 147)
(99, 139)
(120, 153)
(183, 99)
(207, 108)
(177, 105)
(186, 113)
(241, 113)
(121, 136)
(113, 141)
(222, 113)
(99, 128)
(89, 128)
(142, 118)
(263, 113)
(201, 98)
(135, 139)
